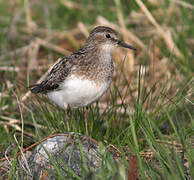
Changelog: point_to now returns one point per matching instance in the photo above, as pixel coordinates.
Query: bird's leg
(67, 118)
(86, 119)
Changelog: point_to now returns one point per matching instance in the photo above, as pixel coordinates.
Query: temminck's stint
(83, 77)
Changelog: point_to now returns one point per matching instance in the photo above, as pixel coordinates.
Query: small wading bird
(83, 77)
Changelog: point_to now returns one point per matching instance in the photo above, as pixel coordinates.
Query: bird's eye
(108, 36)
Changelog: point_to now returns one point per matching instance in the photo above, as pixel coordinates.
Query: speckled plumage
(91, 68)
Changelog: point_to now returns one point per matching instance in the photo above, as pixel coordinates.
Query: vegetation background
(148, 112)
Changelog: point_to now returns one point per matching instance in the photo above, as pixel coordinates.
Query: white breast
(77, 92)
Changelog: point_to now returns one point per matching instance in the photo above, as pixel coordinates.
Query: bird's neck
(101, 54)
(105, 57)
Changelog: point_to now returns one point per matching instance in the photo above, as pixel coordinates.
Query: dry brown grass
(39, 48)
(158, 70)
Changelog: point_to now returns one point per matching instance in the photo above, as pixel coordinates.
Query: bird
(83, 77)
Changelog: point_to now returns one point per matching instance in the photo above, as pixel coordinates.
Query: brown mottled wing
(60, 71)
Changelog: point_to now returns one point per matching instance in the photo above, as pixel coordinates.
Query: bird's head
(106, 39)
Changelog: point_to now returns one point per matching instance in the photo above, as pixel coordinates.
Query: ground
(148, 111)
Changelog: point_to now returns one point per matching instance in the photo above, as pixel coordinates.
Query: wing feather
(58, 73)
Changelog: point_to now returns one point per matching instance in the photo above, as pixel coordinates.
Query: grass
(147, 113)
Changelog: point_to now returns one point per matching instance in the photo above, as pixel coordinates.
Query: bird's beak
(123, 44)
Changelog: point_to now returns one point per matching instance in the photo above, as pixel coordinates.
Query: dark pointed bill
(120, 43)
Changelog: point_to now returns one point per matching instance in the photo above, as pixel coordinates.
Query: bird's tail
(36, 88)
